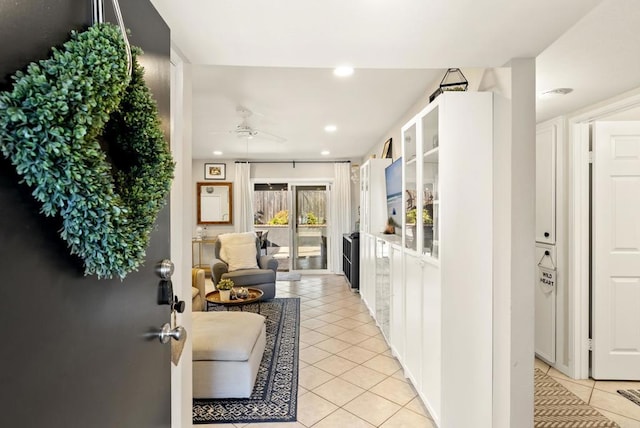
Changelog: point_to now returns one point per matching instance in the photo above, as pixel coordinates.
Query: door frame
(578, 233)
(182, 206)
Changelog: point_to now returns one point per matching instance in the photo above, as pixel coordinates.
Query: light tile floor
(602, 395)
(347, 377)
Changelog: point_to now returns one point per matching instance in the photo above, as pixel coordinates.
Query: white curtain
(244, 197)
(340, 219)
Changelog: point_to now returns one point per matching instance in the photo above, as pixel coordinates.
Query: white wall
(477, 77)
(197, 175)
(259, 172)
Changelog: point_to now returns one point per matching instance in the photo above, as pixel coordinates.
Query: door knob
(546, 234)
(164, 269)
(167, 333)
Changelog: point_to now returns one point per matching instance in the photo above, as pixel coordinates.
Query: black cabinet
(351, 258)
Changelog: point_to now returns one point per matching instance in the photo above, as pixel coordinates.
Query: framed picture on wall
(215, 171)
(387, 151)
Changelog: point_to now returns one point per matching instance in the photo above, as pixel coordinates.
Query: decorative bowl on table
(242, 293)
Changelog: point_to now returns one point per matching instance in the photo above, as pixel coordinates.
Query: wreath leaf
(50, 125)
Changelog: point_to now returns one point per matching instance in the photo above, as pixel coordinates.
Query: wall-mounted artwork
(387, 151)
(215, 171)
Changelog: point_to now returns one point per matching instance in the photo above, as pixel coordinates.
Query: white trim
(181, 202)
(578, 126)
(579, 249)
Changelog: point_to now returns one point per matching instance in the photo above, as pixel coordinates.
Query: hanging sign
(547, 275)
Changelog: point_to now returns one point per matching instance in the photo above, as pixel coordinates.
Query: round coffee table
(254, 295)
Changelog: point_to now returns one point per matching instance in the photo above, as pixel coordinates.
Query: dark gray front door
(74, 349)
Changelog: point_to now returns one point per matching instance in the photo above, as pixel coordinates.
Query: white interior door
(616, 251)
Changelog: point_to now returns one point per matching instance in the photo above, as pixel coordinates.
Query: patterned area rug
(556, 407)
(275, 394)
(631, 394)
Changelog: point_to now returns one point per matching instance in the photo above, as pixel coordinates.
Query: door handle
(164, 269)
(166, 333)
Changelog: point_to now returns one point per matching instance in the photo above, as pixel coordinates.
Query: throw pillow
(230, 239)
(242, 256)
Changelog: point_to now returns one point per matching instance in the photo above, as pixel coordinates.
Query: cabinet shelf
(432, 156)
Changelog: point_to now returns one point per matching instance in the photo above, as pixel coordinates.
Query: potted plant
(224, 287)
(427, 225)
(426, 218)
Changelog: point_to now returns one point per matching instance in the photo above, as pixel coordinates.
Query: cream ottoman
(227, 350)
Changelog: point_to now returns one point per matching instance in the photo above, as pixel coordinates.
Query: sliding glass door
(310, 227)
(271, 202)
(291, 219)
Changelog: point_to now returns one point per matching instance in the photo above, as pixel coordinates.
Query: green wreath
(52, 125)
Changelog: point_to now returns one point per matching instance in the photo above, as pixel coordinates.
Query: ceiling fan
(245, 131)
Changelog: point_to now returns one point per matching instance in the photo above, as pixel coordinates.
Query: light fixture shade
(453, 80)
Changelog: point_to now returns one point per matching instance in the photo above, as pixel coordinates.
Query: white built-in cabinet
(545, 303)
(548, 147)
(373, 219)
(383, 287)
(433, 294)
(414, 328)
(398, 322)
(373, 205)
(368, 270)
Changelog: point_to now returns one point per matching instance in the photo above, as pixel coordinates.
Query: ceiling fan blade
(246, 112)
(269, 136)
(222, 132)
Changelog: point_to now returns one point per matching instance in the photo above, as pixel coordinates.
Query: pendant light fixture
(453, 80)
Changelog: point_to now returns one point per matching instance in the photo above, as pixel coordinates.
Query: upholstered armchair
(197, 290)
(237, 257)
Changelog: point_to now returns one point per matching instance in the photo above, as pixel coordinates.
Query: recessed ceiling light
(555, 92)
(343, 71)
(217, 152)
(330, 128)
(325, 152)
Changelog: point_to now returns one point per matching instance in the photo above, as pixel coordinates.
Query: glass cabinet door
(364, 198)
(410, 194)
(429, 183)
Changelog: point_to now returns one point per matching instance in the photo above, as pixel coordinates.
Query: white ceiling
(297, 103)
(276, 57)
(599, 58)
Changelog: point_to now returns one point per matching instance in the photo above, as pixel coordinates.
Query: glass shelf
(432, 155)
(410, 194)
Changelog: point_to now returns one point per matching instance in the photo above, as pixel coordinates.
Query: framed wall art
(387, 150)
(215, 171)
